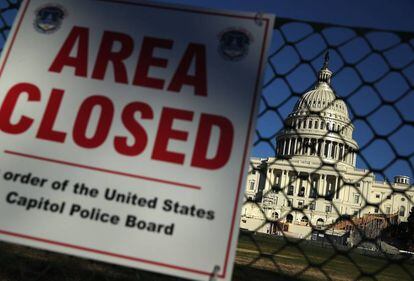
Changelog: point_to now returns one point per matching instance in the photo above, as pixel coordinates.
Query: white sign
(125, 129)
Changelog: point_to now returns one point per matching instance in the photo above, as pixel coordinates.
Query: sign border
(264, 20)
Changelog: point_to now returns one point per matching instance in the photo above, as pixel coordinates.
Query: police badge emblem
(49, 18)
(234, 44)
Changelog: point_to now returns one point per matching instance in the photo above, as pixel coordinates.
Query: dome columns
(328, 149)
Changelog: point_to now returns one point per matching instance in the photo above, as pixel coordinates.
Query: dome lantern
(325, 74)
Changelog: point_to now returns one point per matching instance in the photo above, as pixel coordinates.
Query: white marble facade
(314, 179)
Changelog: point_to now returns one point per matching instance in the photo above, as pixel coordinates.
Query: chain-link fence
(354, 235)
(333, 207)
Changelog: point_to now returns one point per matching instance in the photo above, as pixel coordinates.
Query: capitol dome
(319, 125)
(322, 98)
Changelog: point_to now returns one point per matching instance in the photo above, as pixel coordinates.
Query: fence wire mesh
(374, 75)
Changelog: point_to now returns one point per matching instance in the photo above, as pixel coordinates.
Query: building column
(322, 148)
(269, 181)
(347, 155)
(297, 185)
(323, 185)
(288, 146)
(329, 144)
(340, 152)
(317, 147)
(337, 151)
(314, 144)
(285, 146)
(328, 147)
(284, 179)
(307, 185)
(328, 186)
(302, 150)
(338, 187)
(344, 153)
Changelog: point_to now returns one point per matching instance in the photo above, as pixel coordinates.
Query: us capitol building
(313, 180)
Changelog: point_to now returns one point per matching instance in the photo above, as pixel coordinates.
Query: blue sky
(398, 113)
(396, 14)
(378, 14)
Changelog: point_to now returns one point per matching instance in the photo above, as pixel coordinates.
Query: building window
(278, 179)
(319, 222)
(289, 218)
(300, 204)
(376, 210)
(388, 196)
(251, 185)
(312, 206)
(305, 146)
(289, 203)
(301, 192)
(356, 198)
(276, 188)
(328, 208)
(313, 192)
(330, 192)
(388, 210)
(402, 199)
(402, 211)
(290, 190)
(377, 196)
(313, 147)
